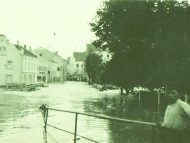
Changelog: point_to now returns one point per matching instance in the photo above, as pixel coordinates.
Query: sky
(57, 25)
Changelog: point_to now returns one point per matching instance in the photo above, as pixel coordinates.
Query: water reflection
(79, 97)
(128, 108)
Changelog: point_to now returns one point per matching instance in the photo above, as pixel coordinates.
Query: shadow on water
(127, 108)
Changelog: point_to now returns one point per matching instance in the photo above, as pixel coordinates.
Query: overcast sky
(33, 23)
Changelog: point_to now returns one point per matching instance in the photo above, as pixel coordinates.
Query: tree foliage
(94, 67)
(150, 40)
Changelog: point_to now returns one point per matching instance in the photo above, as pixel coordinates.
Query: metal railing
(46, 111)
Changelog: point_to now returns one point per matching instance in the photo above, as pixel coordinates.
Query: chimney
(56, 52)
(17, 42)
(30, 48)
(25, 46)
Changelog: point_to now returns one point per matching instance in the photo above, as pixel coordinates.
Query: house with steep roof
(76, 65)
(17, 64)
(28, 65)
(57, 66)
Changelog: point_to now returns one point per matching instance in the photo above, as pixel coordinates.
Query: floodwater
(21, 121)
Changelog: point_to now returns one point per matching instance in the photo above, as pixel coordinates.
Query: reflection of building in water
(18, 65)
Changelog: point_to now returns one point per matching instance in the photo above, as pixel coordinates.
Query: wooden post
(158, 98)
(139, 99)
(158, 104)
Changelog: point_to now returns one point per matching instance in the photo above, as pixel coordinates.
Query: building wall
(42, 70)
(29, 69)
(56, 65)
(106, 56)
(79, 67)
(10, 62)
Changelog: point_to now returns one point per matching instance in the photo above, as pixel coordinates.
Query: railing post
(75, 135)
(46, 118)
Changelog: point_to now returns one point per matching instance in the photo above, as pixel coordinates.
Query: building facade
(17, 64)
(42, 69)
(57, 66)
(10, 62)
(76, 66)
(28, 67)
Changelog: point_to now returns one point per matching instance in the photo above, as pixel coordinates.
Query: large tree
(94, 67)
(149, 39)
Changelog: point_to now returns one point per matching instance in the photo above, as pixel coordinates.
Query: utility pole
(63, 71)
(90, 67)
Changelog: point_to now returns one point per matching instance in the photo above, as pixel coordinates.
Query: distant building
(42, 69)
(104, 54)
(57, 66)
(92, 49)
(76, 65)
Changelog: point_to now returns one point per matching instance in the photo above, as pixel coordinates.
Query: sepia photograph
(95, 71)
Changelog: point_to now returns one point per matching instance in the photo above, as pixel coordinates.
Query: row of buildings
(76, 65)
(21, 65)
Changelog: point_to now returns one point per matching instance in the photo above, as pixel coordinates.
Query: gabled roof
(79, 56)
(48, 55)
(26, 52)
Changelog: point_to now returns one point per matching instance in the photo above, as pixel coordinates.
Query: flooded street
(21, 120)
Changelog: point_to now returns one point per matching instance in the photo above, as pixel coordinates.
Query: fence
(157, 98)
(46, 111)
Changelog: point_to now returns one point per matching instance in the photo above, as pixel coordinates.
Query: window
(1, 40)
(4, 48)
(9, 79)
(58, 69)
(101, 55)
(25, 80)
(25, 65)
(77, 65)
(9, 65)
(81, 65)
(0, 48)
(41, 55)
(108, 56)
